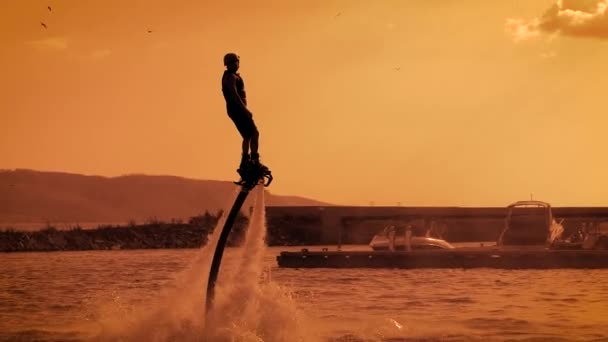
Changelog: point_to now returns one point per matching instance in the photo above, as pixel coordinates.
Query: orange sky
(468, 103)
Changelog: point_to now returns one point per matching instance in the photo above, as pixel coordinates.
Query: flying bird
(149, 31)
(337, 15)
(43, 24)
(397, 68)
(49, 7)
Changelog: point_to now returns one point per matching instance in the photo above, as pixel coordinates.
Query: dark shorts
(244, 123)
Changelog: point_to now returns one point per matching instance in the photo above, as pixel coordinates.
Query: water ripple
(432, 305)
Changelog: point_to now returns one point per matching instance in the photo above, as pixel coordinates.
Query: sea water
(159, 295)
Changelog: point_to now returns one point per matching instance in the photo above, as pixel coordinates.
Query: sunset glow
(468, 103)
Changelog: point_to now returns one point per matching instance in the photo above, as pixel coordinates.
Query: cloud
(53, 43)
(577, 18)
(522, 30)
(61, 43)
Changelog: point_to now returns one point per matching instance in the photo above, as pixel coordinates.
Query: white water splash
(177, 314)
(555, 231)
(245, 308)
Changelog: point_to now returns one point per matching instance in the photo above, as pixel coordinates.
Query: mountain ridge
(50, 196)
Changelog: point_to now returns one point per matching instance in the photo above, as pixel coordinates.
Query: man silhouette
(233, 89)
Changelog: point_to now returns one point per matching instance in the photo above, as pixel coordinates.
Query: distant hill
(36, 196)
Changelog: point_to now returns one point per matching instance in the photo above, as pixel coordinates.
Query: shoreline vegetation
(150, 235)
(153, 234)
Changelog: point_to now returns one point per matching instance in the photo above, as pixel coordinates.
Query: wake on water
(245, 308)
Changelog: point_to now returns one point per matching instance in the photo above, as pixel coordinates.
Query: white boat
(530, 223)
(395, 239)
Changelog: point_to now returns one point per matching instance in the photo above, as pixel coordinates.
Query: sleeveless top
(231, 105)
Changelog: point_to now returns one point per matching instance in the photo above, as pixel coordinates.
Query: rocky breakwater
(192, 234)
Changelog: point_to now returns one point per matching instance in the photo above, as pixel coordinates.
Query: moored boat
(531, 239)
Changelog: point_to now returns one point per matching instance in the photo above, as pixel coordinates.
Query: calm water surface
(82, 295)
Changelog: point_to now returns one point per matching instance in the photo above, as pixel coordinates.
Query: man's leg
(243, 127)
(255, 156)
(245, 153)
(245, 146)
(251, 136)
(254, 141)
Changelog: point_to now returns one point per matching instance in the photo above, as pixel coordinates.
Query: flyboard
(251, 175)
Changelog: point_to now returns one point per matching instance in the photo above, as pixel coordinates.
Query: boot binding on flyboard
(252, 173)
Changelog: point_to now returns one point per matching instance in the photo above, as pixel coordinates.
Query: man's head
(231, 61)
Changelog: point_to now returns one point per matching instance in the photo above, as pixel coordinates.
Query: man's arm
(230, 86)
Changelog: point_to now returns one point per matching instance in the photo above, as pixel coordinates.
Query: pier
(531, 258)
